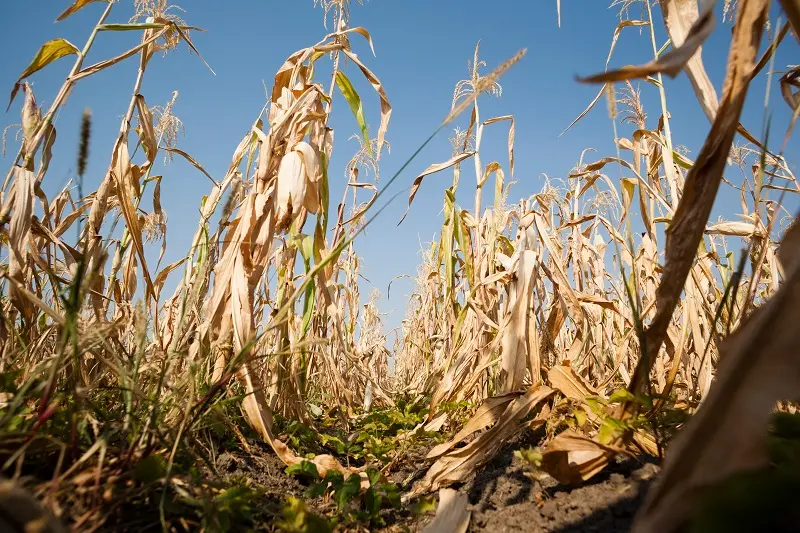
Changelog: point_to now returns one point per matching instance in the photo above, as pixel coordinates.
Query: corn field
(607, 312)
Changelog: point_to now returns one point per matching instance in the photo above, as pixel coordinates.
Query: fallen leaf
(457, 464)
(451, 514)
(571, 457)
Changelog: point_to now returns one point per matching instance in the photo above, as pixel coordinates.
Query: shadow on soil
(504, 499)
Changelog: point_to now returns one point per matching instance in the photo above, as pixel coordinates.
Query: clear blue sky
(422, 49)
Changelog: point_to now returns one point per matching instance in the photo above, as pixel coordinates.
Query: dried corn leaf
(511, 133)
(458, 464)
(486, 415)
(438, 167)
(161, 277)
(451, 514)
(75, 7)
(622, 25)
(564, 379)
(514, 357)
(759, 366)
(688, 224)
(192, 162)
(679, 17)
(127, 184)
(18, 290)
(148, 133)
(789, 82)
(672, 62)
(571, 457)
(97, 67)
(585, 111)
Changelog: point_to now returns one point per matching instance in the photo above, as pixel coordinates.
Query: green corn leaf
(350, 94)
(130, 27)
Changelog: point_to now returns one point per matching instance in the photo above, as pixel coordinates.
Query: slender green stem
(669, 165)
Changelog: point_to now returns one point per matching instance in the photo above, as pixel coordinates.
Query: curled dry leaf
(585, 111)
(458, 464)
(622, 25)
(485, 416)
(31, 120)
(161, 277)
(75, 7)
(514, 342)
(564, 379)
(433, 169)
(736, 229)
(790, 83)
(672, 62)
(147, 134)
(127, 185)
(192, 162)
(511, 134)
(571, 457)
(679, 17)
(759, 366)
(18, 231)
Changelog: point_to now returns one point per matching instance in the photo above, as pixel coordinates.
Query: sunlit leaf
(354, 101)
(49, 52)
(75, 7)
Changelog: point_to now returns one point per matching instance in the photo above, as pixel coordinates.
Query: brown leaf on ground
(571, 457)
(486, 415)
(460, 463)
(451, 514)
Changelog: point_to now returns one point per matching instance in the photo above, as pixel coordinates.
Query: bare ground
(502, 497)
